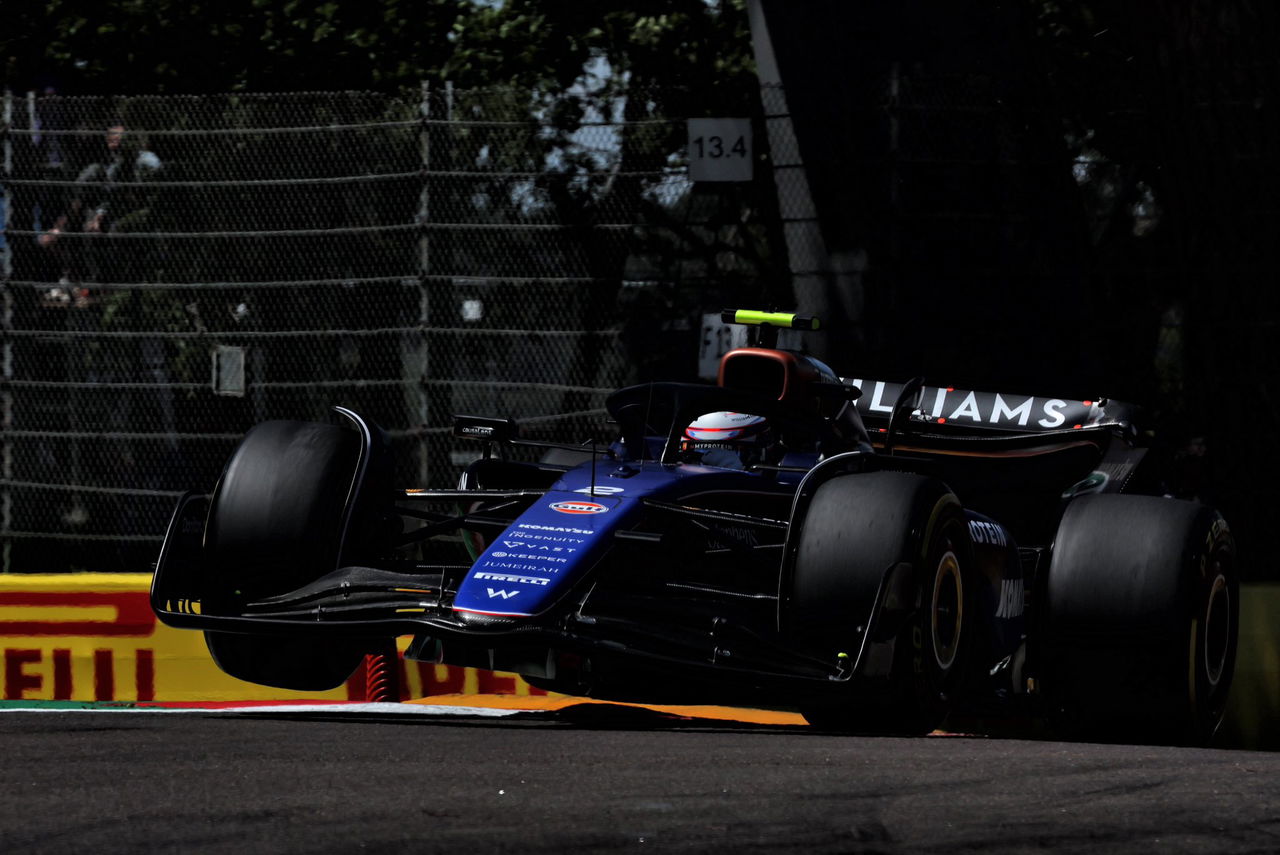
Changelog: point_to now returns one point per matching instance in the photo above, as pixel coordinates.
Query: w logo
(506, 595)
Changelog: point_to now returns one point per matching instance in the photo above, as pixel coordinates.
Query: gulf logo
(579, 508)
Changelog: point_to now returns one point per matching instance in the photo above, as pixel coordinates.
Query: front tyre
(285, 662)
(1141, 620)
(275, 524)
(858, 529)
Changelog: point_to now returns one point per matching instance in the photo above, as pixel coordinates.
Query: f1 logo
(506, 595)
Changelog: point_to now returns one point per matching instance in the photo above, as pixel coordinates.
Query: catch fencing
(176, 269)
(515, 253)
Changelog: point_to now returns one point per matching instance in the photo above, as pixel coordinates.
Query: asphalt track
(600, 779)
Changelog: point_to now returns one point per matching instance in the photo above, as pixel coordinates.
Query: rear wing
(948, 410)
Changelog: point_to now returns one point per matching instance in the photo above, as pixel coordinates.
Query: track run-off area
(452, 777)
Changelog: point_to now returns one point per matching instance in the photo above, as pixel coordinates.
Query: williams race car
(877, 555)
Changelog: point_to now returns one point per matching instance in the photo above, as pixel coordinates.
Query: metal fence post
(814, 267)
(422, 368)
(6, 394)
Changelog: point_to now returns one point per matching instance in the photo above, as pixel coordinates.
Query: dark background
(1067, 199)
(1075, 199)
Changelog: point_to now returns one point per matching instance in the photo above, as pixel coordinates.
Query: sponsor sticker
(958, 405)
(511, 577)
(521, 567)
(557, 528)
(527, 557)
(1011, 599)
(540, 547)
(579, 508)
(532, 536)
(981, 531)
(599, 491)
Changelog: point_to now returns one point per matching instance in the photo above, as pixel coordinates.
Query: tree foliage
(163, 46)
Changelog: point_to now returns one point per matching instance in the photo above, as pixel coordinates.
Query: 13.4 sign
(720, 150)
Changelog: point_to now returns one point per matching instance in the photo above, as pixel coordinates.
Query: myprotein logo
(981, 531)
(579, 508)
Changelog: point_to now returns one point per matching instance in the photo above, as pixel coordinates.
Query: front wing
(689, 625)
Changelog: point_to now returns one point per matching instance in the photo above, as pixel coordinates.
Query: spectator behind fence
(105, 200)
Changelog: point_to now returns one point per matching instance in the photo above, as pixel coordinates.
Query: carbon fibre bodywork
(640, 574)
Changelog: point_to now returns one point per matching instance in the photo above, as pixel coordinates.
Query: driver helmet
(730, 440)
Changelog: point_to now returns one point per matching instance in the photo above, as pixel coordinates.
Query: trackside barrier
(93, 637)
(1253, 710)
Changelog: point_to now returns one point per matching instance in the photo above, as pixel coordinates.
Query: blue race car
(876, 555)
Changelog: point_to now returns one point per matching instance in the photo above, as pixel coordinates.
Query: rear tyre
(275, 524)
(856, 529)
(1141, 619)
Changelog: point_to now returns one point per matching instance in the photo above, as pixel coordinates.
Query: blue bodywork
(562, 535)
(548, 549)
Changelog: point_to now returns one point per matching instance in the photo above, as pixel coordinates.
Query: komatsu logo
(559, 528)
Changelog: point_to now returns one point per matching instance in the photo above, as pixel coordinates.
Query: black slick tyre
(1141, 618)
(275, 523)
(857, 529)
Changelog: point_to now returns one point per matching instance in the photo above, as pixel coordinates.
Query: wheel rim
(1217, 630)
(947, 611)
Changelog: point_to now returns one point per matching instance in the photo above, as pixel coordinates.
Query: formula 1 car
(877, 555)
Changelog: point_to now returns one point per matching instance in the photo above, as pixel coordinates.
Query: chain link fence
(176, 269)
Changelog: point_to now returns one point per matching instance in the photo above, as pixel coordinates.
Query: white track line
(329, 709)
